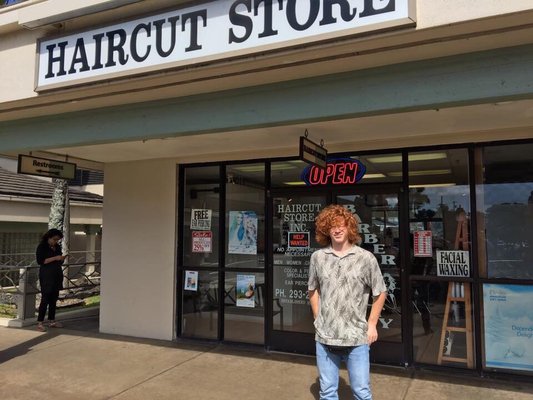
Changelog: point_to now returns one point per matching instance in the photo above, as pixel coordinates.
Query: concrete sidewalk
(65, 364)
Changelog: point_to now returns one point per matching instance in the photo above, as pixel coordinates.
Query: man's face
(338, 233)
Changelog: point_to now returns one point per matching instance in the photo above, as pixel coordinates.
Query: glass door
(378, 214)
(293, 241)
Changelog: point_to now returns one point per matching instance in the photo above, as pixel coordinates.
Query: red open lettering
(339, 173)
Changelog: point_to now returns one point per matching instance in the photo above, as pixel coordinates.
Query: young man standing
(341, 277)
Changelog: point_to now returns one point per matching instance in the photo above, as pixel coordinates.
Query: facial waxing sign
(206, 32)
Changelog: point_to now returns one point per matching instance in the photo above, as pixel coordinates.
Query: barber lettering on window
(341, 277)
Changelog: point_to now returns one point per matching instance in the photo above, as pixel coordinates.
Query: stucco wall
(433, 13)
(138, 249)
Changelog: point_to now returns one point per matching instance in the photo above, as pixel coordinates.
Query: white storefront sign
(206, 32)
(453, 263)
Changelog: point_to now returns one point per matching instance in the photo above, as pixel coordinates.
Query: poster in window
(508, 326)
(423, 243)
(242, 232)
(201, 219)
(454, 263)
(246, 290)
(202, 241)
(191, 280)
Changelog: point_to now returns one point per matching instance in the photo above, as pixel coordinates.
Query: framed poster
(508, 326)
(245, 291)
(242, 232)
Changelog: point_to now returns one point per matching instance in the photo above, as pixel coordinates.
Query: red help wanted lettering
(299, 239)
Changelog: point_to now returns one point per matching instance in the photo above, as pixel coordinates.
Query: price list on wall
(423, 244)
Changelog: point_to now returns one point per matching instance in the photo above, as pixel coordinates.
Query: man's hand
(372, 334)
(377, 306)
(314, 301)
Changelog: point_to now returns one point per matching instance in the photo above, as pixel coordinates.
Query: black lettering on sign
(240, 20)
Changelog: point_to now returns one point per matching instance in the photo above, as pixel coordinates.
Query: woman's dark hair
(51, 233)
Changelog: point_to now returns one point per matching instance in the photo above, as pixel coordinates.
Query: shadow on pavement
(88, 326)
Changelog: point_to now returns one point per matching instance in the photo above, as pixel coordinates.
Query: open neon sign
(343, 171)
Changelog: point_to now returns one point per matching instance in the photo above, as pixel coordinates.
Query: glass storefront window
(293, 243)
(442, 323)
(200, 305)
(439, 213)
(439, 226)
(243, 251)
(287, 174)
(245, 216)
(377, 214)
(505, 211)
(201, 217)
(381, 168)
(439, 268)
(244, 307)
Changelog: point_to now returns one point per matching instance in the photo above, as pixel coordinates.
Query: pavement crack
(158, 374)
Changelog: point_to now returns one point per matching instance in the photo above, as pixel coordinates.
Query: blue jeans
(358, 363)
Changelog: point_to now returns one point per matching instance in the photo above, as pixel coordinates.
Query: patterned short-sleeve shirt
(344, 284)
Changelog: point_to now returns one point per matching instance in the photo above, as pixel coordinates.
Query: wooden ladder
(457, 293)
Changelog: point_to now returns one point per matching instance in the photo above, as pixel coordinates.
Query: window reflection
(244, 313)
(293, 215)
(245, 216)
(201, 217)
(505, 211)
(377, 214)
(439, 226)
(439, 207)
(442, 323)
(200, 307)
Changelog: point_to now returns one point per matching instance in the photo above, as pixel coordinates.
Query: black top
(51, 274)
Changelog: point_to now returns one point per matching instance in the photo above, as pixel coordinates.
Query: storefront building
(194, 111)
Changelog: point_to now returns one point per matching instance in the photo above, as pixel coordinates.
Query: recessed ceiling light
(412, 157)
(373, 176)
(295, 183)
(430, 185)
(424, 172)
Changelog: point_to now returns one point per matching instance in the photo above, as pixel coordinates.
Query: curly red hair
(335, 215)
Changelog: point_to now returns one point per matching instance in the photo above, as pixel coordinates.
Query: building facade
(195, 109)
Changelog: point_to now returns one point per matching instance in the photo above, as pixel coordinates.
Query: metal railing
(19, 282)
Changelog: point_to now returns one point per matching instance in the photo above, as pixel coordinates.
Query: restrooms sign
(205, 32)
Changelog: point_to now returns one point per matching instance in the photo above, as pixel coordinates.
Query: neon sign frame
(338, 171)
